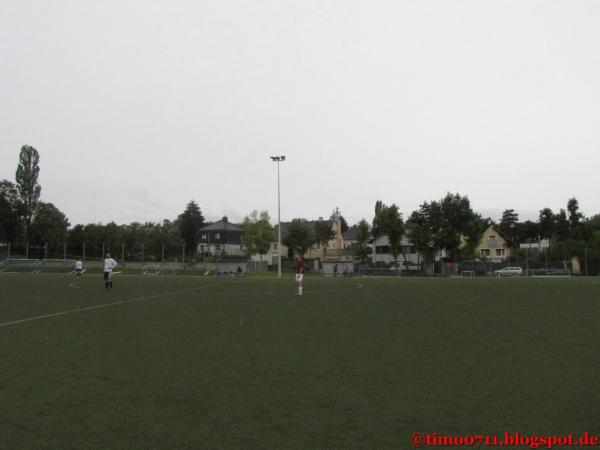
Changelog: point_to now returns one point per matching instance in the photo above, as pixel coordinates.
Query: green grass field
(194, 362)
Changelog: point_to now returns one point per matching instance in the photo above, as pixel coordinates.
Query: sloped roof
(351, 234)
(221, 225)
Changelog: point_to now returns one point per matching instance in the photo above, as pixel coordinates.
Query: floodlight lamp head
(282, 158)
(275, 158)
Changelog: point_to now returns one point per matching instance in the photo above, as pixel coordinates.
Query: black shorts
(107, 276)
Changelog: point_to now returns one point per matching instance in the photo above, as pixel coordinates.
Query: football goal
(232, 268)
(337, 269)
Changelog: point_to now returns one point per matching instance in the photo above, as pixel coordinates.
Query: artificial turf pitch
(194, 362)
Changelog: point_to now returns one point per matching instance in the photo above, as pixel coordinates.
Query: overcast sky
(137, 107)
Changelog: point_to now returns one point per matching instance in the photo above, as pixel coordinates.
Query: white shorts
(299, 277)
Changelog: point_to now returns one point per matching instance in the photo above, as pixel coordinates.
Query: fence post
(46, 250)
(83, 260)
(65, 251)
(142, 254)
(103, 254)
(27, 250)
(183, 255)
(8, 256)
(586, 268)
(162, 261)
(123, 254)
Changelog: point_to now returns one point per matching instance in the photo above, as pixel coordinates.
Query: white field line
(306, 292)
(103, 305)
(149, 297)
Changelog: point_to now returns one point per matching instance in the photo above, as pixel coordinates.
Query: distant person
(78, 267)
(335, 270)
(109, 265)
(346, 273)
(299, 274)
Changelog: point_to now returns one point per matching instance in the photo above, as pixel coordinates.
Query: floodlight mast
(278, 159)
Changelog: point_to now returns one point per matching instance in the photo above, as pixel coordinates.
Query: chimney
(225, 220)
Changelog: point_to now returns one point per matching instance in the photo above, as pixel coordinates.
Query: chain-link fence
(157, 258)
(152, 255)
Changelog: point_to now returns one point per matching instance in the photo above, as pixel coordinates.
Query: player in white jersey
(299, 274)
(78, 267)
(109, 265)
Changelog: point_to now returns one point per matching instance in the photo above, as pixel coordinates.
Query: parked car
(509, 272)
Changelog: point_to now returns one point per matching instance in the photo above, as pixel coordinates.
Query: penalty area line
(103, 305)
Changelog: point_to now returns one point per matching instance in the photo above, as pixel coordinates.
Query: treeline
(569, 233)
(24, 219)
(448, 223)
(35, 228)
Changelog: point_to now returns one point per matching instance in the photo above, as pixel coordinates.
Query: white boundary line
(306, 293)
(103, 305)
(148, 297)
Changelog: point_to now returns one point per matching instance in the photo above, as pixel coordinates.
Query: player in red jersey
(299, 274)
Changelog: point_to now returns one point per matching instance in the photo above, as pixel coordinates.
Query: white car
(509, 272)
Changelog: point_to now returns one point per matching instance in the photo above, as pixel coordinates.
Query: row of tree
(23, 217)
(449, 223)
(27, 222)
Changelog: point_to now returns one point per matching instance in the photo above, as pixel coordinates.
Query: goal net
(234, 268)
(337, 269)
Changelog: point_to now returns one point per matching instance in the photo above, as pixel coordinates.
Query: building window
(203, 235)
(275, 247)
(217, 235)
(484, 252)
(499, 252)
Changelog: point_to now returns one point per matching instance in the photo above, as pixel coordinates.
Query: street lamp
(278, 159)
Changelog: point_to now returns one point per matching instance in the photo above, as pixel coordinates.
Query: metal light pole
(278, 159)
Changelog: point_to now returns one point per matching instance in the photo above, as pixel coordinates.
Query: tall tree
(388, 221)
(28, 171)
(112, 236)
(575, 216)
(9, 212)
(448, 224)
(249, 235)
(561, 226)
(458, 223)
(171, 238)
(423, 225)
(323, 233)
(258, 233)
(546, 223)
(299, 236)
(528, 231)
(49, 226)
(190, 221)
(508, 225)
(361, 247)
(264, 233)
